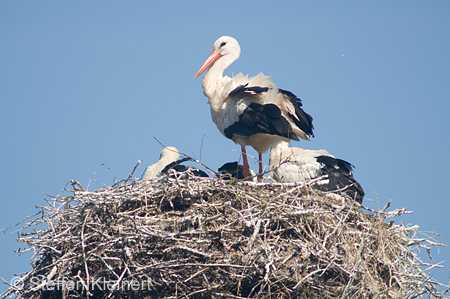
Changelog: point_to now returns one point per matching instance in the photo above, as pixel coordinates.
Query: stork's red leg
(260, 174)
(245, 161)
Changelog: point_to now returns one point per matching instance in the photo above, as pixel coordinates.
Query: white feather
(290, 165)
(168, 155)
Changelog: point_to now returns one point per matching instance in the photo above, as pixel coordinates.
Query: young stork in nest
(234, 170)
(322, 170)
(170, 159)
(251, 110)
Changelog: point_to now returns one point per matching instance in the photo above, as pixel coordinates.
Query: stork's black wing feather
(302, 119)
(176, 165)
(249, 90)
(259, 118)
(340, 177)
(232, 170)
(267, 118)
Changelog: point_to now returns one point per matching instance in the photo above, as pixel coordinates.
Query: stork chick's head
(227, 49)
(169, 153)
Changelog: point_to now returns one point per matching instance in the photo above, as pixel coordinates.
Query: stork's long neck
(278, 152)
(214, 82)
(165, 159)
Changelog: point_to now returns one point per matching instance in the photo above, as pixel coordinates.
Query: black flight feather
(249, 90)
(258, 118)
(231, 170)
(302, 119)
(340, 177)
(176, 165)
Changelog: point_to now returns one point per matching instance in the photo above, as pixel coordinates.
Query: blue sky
(86, 86)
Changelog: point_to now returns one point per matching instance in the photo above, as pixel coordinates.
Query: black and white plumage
(178, 167)
(231, 170)
(322, 170)
(235, 170)
(251, 110)
(170, 159)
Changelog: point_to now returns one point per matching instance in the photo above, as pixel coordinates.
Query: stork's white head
(169, 153)
(226, 49)
(227, 45)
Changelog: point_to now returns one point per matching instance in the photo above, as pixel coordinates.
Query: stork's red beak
(208, 62)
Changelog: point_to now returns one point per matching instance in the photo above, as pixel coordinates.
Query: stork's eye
(223, 44)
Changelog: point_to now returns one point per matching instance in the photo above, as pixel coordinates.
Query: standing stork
(250, 110)
(320, 168)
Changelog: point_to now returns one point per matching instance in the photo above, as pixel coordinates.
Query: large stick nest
(190, 237)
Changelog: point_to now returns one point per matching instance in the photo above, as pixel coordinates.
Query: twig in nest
(190, 236)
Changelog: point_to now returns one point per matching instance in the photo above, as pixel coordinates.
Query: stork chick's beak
(208, 62)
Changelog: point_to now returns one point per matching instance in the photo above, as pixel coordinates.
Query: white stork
(320, 168)
(168, 155)
(250, 110)
(170, 159)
